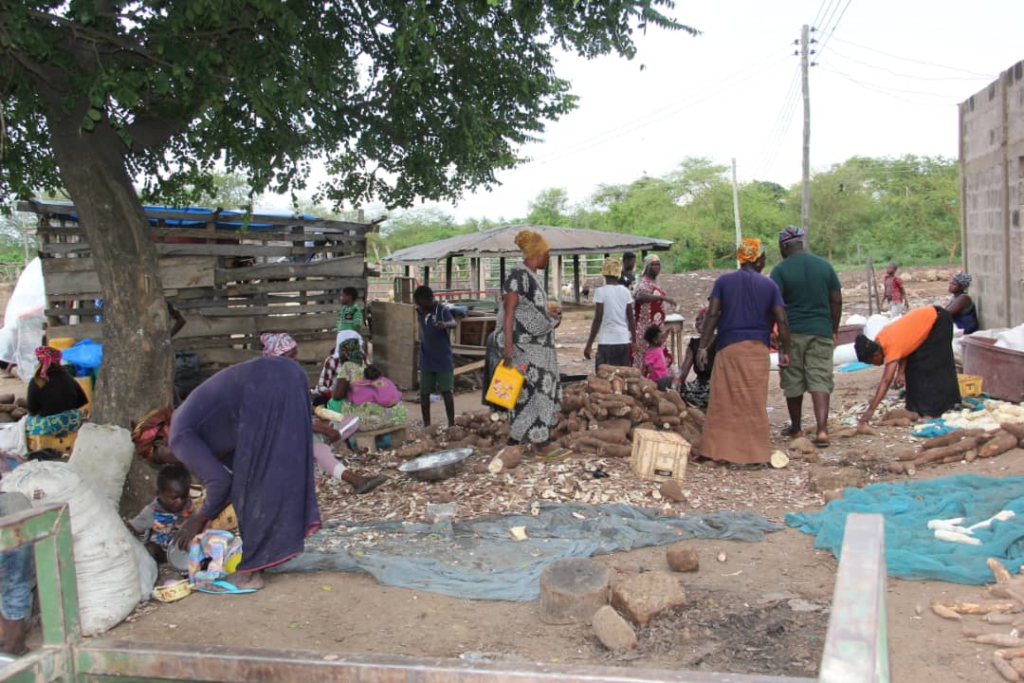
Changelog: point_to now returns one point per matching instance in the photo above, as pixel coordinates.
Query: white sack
(109, 586)
(102, 455)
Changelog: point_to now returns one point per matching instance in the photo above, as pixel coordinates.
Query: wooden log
(508, 458)
(950, 439)
(1001, 442)
(956, 449)
(572, 590)
(1015, 428)
(613, 450)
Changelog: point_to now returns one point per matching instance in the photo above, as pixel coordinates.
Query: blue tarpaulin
(911, 549)
(478, 560)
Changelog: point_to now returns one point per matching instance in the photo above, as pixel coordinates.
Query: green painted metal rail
(855, 646)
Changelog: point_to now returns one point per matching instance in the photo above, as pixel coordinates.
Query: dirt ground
(763, 610)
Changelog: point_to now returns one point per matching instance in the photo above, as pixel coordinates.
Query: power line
(822, 10)
(889, 92)
(834, 26)
(777, 136)
(665, 112)
(904, 75)
(917, 61)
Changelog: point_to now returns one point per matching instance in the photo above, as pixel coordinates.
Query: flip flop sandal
(553, 455)
(220, 587)
(790, 433)
(821, 443)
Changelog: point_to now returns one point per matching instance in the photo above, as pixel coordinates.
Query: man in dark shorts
(437, 365)
(814, 304)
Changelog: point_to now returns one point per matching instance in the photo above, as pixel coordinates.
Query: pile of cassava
(598, 417)
(962, 444)
(11, 410)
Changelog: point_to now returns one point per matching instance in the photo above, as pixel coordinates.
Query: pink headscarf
(47, 356)
(277, 343)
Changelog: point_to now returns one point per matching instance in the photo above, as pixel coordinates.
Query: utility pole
(736, 205)
(805, 48)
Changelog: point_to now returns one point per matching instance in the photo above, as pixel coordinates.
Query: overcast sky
(889, 78)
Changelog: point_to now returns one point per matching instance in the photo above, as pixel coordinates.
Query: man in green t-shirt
(814, 304)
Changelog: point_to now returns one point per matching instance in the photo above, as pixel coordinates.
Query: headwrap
(651, 258)
(48, 356)
(750, 250)
(350, 350)
(277, 343)
(343, 336)
(612, 267)
(154, 426)
(865, 348)
(962, 279)
(532, 245)
(791, 233)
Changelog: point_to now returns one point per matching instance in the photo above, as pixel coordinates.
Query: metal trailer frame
(855, 644)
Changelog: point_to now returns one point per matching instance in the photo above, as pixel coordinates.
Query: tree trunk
(137, 373)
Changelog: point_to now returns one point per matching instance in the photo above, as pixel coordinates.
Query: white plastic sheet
(22, 332)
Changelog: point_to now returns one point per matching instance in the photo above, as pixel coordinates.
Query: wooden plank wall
(228, 285)
(396, 346)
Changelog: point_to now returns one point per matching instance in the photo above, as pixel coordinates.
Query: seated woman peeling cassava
(246, 433)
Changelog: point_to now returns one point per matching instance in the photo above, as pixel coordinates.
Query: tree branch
(148, 132)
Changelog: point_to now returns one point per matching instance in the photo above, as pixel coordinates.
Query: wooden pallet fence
(230, 278)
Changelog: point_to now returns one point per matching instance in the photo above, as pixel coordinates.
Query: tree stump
(571, 591)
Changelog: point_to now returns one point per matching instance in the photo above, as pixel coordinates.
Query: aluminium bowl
(437, 466)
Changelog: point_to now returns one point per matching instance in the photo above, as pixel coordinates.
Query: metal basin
(436, 466)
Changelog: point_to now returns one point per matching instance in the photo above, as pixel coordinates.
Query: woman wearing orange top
(917, 351)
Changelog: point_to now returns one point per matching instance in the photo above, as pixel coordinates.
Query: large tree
(401, 100)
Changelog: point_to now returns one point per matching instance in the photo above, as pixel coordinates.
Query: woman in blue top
(961, 306)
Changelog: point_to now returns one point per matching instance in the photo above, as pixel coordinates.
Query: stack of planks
(232, 278)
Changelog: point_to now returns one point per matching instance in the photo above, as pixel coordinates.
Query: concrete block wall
(992, 194)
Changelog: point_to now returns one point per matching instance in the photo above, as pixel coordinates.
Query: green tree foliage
(401, 100)
(551, 207)
(891, 208)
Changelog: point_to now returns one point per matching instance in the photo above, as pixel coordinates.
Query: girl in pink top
(657, 359)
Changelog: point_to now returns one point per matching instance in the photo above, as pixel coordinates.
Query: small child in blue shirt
(160, 520)
(437, 365)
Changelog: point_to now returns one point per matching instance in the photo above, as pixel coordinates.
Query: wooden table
(674, 329)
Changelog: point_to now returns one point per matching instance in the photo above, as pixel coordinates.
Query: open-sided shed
(500, 243)
(231, 276)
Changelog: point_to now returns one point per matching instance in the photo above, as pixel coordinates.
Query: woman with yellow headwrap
(743, 306)
(525, 339)
(650, 300)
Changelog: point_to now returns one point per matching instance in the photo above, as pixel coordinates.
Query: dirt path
(763, 610)
(740, 618)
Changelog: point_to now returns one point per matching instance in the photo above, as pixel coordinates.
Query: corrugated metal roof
(501, 242)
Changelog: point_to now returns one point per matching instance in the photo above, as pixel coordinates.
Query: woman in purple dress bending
(246, 433)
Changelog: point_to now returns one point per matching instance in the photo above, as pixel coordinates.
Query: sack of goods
(106, 564)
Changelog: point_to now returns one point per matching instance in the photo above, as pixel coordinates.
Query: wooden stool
(368, 440)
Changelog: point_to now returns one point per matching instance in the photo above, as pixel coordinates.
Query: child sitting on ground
(658, 359)
(160, 520)
(350, 317)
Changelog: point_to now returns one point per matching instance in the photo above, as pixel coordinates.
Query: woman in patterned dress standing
(649, 300)
(525, 339)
